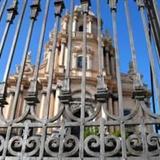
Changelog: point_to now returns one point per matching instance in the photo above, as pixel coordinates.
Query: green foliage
(95, 131)
(116, 133)
(91, 131)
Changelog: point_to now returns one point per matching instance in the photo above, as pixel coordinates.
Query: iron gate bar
(62, 132)
(17, 94)
(141, 6)
(39, 52)
(3, 8)
(153, 98)
(151, 34)
(85, 7)
(143, 134)
(32, 97)
(155, 21)
(113, 8)
(101, 86)
(59, 6)
(3, 85)
(34, 13)
(102, 131)
(35, 8)
(12, 12)
(141, 117)
(68, 68)
(153, 39)
(137, 80)
(26, 133)
(100, 51)
(65, 96)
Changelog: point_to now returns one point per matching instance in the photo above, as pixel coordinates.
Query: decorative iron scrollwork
(32, 146)
(52, 145)
(15, 145)
(68, 123)
(70, 145)
(112, 145)
(134, 145)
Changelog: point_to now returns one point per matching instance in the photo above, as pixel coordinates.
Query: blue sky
(124, 48)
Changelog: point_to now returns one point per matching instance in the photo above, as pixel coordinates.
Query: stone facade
(60, 63)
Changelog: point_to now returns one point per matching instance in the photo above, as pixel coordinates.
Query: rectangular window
(80, 62)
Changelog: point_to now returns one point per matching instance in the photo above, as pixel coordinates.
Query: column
(113, 65)
(56, 59)
(75, 18)
(7, 108)
(64, 24)
(51, 108)
(20, 106)
(111, 129)
(48, 60)
(89, 65)
(42, 105)
(90, 25)
(61, 56)
(107, 61)
(41, 110)
(116, 112)
(103, 58)
(57, 102)
(74, 64)
(65, 57)
(51, 111)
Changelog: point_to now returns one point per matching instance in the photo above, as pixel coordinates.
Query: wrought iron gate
(81, 127)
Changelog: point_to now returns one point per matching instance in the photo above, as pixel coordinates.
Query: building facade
(59, 125)
(60, 65)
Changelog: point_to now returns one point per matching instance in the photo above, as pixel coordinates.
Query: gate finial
(59, 6)
(113, 4)
(12, 11)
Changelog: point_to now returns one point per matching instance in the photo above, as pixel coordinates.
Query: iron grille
(50, 109)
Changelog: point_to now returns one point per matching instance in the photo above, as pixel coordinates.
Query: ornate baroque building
(74, 102)
(60, 65)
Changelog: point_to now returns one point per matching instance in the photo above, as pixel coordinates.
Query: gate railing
(66, 134)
